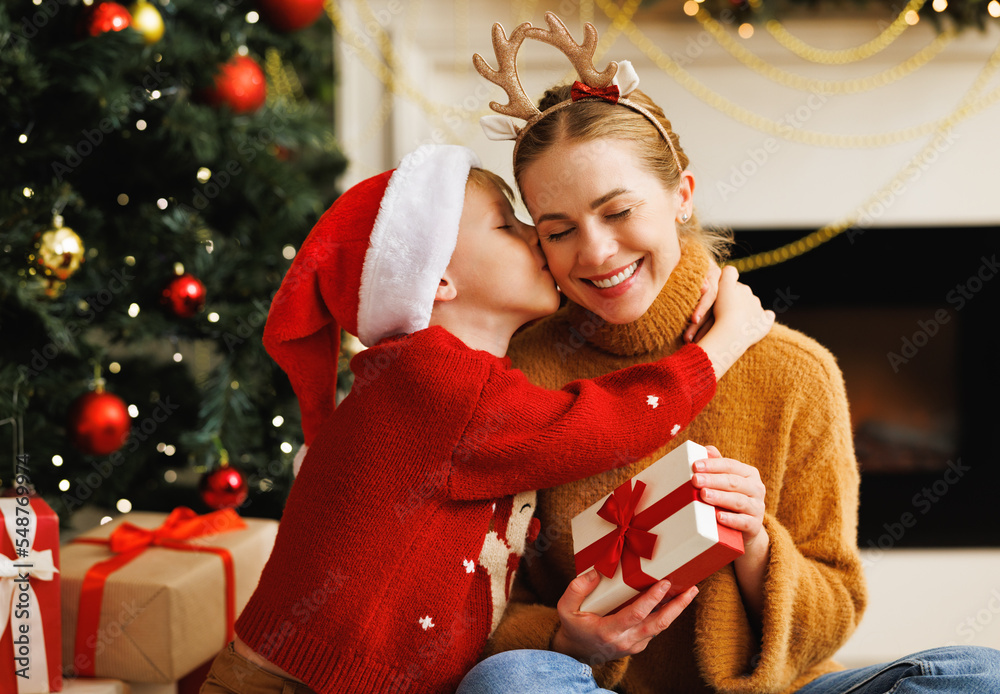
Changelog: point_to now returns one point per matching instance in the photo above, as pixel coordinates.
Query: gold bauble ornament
(60, 251)
(147, 21)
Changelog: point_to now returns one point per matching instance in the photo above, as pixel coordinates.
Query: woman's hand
(738, 494)
(702, 318)
(593, 639)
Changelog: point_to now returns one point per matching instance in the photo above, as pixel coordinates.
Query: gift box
(72, 685)
(652, 527)
(151, 599)
(31, 645)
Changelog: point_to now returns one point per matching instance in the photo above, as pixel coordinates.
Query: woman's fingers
(577, 590)
(665, 616)
(635, 614)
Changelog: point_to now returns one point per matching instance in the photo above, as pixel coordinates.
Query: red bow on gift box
(128, 542)
(631, 540)
(579, 90)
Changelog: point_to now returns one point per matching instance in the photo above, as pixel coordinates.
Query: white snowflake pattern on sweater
(652, 401)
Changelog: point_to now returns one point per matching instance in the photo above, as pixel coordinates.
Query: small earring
(685, 217)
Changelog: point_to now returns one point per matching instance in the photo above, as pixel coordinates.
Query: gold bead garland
(847, 55)
(852, 86)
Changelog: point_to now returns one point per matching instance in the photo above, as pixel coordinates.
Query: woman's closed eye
(556, 235)
(624, 214)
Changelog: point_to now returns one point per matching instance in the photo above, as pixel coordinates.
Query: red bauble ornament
(224, 487)
(290, 15)
(239, 84)
(184, 296)
(98, 423)
(105, 17)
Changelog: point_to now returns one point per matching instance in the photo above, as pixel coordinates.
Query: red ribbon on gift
(631, 540)
(129, 541)
(579, 90)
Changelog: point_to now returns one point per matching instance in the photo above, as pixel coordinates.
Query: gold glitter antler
(505, 76)
(581, 56)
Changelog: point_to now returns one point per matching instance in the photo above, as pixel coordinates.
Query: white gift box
(652, 527)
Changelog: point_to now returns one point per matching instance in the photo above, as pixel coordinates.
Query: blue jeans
(956, 669)
(523, 671)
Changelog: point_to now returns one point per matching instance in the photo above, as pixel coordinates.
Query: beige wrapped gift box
(164, 612)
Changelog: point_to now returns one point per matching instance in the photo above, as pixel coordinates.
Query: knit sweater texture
(781, 408)
(375, 582)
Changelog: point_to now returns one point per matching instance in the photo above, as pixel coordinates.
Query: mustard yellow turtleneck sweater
(781, 408)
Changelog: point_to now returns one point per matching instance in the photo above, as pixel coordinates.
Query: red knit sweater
(373, 583)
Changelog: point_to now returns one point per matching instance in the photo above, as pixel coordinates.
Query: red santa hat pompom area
(371, 266)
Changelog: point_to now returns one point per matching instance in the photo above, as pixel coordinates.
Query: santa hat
(371, 266)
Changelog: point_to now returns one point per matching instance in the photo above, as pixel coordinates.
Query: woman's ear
(685, 192)
(446, 290)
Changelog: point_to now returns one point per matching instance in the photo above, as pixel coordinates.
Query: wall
(746, 178)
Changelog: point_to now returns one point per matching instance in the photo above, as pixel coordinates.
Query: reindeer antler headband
(613, 84)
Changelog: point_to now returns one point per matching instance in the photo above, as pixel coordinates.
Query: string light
(140, 124)
(691, 8)
(133, 310)
(22, 138)
(746, 30)
(124, 505)
(993, 8)
(57, 460)
(252, 17)
(288, 252)
(278, 420)
(130, 260)
(122, 199)
(114, 367)
(106, 519)
(204, 173)
(178, 357)
(940, 5)
(162, 203)
(133, 411)
(912, 18)
(64, 485)
(213, 317)
(170, 476)
(28, 192)
(286, 447)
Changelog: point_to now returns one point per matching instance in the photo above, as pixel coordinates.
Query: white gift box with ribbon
(652, 527)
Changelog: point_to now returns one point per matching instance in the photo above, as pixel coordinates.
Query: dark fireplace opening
(911, 316)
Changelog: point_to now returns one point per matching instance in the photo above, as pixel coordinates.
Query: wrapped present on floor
(652, 527)
(31, 643)
(153, 598)
(87, 685)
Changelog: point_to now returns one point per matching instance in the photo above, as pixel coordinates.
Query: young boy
(375, 582)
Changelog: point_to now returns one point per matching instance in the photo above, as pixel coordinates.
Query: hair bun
(554, 95)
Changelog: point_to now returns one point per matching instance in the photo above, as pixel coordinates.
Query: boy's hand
(703, 318)
(593, 639)
(740, 321)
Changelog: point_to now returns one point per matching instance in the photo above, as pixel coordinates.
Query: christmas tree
(162, 163)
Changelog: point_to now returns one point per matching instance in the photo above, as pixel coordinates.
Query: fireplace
(911, 315)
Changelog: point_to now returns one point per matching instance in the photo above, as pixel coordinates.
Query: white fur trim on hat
(412, 241)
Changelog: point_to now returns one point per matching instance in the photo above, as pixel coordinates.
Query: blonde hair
(593, 119)
(485, 179)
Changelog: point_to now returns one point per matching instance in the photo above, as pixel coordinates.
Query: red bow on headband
(582, 91)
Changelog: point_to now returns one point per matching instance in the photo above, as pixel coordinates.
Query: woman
(609, 191)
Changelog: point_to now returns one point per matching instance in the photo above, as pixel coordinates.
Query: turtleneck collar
(661, 327)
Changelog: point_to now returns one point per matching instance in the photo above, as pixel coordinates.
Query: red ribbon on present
(129, 541)
(579, 90)
(631, 540)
